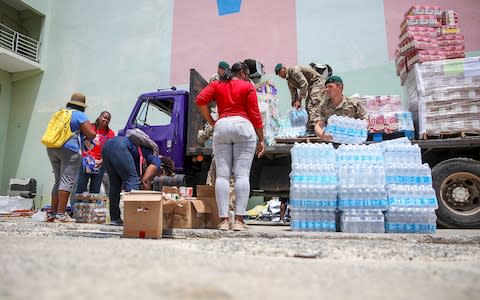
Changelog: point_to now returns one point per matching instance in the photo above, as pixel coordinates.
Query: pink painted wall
(468, 12)
(231, 37)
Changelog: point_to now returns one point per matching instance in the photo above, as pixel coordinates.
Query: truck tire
(457, 184)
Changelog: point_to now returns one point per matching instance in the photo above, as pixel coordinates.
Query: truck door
(161, 116)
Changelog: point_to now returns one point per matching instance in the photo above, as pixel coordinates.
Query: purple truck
(171, 118)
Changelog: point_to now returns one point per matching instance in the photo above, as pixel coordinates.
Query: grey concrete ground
(84, 261)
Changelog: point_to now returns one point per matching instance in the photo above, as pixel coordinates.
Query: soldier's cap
(223, 65)
(278, 67)
(334, 79)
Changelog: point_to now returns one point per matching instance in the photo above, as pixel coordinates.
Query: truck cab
(162, 116)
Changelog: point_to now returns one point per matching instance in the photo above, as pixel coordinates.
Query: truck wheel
(457, 185)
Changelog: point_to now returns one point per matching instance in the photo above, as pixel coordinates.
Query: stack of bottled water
(288, 128)
(288, 132)
(362, 195)
(405, 121)
(313, 187)
(411, 198)
(347, 130)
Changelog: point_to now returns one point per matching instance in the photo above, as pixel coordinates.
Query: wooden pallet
(448, 135)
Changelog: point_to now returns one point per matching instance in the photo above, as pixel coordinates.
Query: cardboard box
(207, 194)
(190, 213)
(143, 214)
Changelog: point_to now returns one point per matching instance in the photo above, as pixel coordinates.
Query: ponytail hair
(234, 71)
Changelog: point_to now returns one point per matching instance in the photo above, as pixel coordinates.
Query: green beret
(223, 65)
(278, 67)
(334, 79)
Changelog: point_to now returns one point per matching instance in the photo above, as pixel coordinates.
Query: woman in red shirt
(237, 135)
(94, 173)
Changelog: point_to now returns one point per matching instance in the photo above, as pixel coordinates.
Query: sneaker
(65, 218)
(117, 222)
(51, 217)
(224, 225)
(239, 226)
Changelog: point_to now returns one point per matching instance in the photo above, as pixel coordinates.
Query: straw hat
(78, 99)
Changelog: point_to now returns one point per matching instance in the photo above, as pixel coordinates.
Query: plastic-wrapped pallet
(268, 105)
(444, 96)
(386, 115)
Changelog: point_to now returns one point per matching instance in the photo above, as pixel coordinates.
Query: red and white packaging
(424, 10)
(449, 17)
(451, 40)
(411, 31)
(420, 20)
(423, 56)
(418, 43)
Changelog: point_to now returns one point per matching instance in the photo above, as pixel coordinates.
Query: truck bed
(283, 146)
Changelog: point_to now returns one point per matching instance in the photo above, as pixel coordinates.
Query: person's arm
(205, 96)
(301, 82)
(154, 164)
(294, 94)
(205, 111)
(261, 142)
(87, 130)
(148, 175)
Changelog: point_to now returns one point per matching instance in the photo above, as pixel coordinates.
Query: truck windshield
(155, 112)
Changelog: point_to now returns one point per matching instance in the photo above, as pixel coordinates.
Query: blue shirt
(147, 155)
(78, 118)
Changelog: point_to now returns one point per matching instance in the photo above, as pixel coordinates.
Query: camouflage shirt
(348, 108)
(300, 78)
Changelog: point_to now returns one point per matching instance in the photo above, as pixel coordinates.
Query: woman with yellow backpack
(63, 138)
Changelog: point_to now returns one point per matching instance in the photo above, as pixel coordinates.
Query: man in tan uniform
(335, 103)
(303, 83)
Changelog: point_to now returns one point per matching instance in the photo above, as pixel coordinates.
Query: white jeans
(234, 143)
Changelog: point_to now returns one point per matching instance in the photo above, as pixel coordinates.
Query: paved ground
(83, 261)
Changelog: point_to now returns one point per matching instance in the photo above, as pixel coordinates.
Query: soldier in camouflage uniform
(304, 83)
(202, 136)
(335, 103)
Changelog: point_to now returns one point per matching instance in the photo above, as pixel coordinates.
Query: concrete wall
(5, 100)
(113, 50)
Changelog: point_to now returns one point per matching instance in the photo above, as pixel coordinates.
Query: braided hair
(168, 166)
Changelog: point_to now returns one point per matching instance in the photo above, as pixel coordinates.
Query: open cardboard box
(186, 213)
(191, 212)
(207, 194)
(143, 214)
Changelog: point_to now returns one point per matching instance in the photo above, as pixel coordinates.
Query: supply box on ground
(143, 214)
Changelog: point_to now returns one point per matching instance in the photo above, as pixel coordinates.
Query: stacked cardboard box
(428, 33)
(444, 96)
(90, 208)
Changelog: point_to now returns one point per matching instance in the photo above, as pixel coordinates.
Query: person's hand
(297, 104)
(98, 163)
(327, 137)
(260, 149)
(268, 82)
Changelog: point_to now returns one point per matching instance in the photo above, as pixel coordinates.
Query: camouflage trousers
(212, 175)
(313, 102)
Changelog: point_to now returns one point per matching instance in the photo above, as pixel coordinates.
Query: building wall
(114, 50)
(5, 99)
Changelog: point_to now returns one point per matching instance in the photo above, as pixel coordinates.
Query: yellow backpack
(58, 130)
